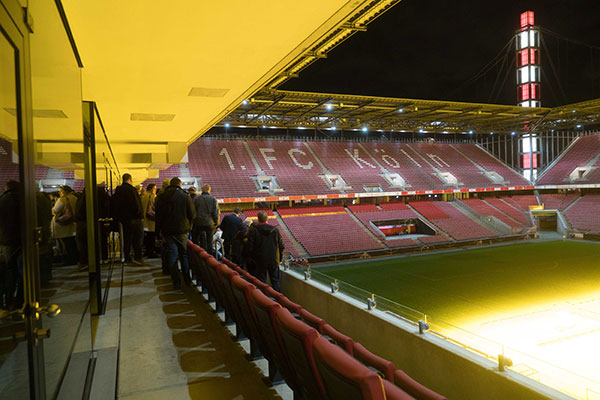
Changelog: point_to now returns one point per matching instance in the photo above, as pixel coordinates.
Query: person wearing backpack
(63, 225)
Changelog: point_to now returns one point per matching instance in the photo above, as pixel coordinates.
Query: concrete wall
(444, 367)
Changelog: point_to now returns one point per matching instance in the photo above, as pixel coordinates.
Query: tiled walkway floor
(174, 348)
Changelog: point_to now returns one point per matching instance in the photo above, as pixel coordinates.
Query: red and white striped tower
(528, 62)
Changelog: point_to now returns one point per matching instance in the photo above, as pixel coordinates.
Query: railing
(524, 363)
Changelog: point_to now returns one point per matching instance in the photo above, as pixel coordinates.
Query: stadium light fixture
(365, 129)
(264, 126)
(329, 107)
(400, 110)
(244, 102)
(470, 132)
(421, 130)
(227, 125)
(579, 126)
(491, 133)
(513, 133)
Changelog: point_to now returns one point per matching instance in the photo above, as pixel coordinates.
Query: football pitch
(541, 300)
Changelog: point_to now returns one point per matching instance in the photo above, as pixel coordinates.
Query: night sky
(430, 49)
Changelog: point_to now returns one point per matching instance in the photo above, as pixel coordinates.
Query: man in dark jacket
(207, 219)
(127, 208)
(10, 244)
(174, 215)
(230, 225)
(266, 248)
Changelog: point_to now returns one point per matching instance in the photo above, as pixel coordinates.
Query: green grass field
(463, 285)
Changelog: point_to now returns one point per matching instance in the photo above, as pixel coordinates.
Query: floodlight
(329, 107)
(400, 110)
(470, 132)
(579, 126)
(365, 129)
(226, 124)
(244, 102)
(513, 133)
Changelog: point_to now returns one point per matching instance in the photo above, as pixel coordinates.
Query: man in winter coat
(230, 225)
(127, 208)
(174, 216)
(207, 219)
(266, 248)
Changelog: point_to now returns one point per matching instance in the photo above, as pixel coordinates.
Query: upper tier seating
(225, 165)
(295, 168)
(585, 152)
(584, 215)
(489, 163)
(299, 167)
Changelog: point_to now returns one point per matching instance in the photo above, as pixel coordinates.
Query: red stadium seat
(414, 388)
(393, 392)
(297, 339)
(265, 310)
(344, 377)
(290, 305)
(312, 320)
(272, 293)
(384, 367)
(343, 341)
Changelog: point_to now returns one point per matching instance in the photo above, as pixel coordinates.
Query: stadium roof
(288, 109)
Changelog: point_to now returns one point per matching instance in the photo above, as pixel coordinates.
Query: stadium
(434, 249)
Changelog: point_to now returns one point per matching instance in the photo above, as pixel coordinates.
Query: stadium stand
(522, 201)
(483, 208)
(350, 160)
(295, 168)
(584, 215)
(579, 164)
(314, 359)
(444, 158)
(225, 165)
(400, 158)
(558, 201)
(486, 161)
(452, 221)
(510, 210)
(334, 230)
(245, 168)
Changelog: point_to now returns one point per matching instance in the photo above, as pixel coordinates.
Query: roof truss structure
(326, 111)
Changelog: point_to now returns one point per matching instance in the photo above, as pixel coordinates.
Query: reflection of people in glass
(63, 225)
(11, 289)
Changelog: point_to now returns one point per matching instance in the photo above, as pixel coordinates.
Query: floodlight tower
(528, 62)
(528, 88)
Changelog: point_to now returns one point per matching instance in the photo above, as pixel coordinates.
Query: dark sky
(429, 49)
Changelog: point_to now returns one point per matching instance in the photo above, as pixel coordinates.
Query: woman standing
(63, 225)
(148, 201)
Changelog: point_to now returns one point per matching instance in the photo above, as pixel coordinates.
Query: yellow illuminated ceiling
(146, 58)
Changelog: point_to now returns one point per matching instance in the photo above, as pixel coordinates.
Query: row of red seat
(314, 359)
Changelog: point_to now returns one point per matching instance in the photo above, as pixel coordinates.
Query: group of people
(155, 223)
(257, 246)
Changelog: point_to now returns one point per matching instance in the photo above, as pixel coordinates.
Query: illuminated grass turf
(539, 299)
